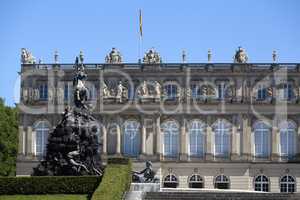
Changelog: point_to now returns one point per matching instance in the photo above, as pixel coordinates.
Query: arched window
(171, 91)
(170, 131)
(222, 182)
(262, 139)
(42, 131)
(131, 138)
(196, 181)
(222, 131)
(197, 138)
(170, 181)
(287, 184)
(261, 183)
(287, 131)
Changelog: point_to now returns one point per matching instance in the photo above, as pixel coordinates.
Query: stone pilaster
(119, 139)
(104, 139)
(29, 145)
(159, 138)
(235, 143)
(21, 147)
(275, 140)
(144, 136)
(247, 142)
(209, 144)
(183, 141)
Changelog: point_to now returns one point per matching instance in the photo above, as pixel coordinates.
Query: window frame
(200, 133)
(261, 183)
(222, 181)
(41, 128)
(288, 183)
(171, 152)
(134, 142)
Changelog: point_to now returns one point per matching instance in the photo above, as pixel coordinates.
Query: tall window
(171, 181)
(197, 138)
(261, 92)
(222, 131)
(170, 131)
(66, 92)
(287, 184)
(131, 139)
(221, 90)
(262, 139)
(43, 90)
(261, 183)
(287, 138)
(196, 91)
(222, 182)
(171, 91)
(42, 131)
(287, 91)
(196, 181)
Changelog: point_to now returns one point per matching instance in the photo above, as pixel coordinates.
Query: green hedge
(49, 185)
(116, 180)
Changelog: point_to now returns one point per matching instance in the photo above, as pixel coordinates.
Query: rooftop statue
(240, 56)
(152, 57)
(114, 57)
(26, 57)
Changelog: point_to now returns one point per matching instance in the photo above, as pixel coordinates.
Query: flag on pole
(141, 24)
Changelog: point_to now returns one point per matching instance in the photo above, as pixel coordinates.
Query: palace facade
(203, 125)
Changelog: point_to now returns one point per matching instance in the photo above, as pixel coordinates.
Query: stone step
(219, 196)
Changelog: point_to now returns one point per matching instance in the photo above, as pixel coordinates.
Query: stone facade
(239, 113)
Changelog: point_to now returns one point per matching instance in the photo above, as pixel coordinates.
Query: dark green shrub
(49, 185)
(115, 182)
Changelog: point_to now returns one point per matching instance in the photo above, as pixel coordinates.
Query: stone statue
(81, 57)
(60, 95)
(240, 56)
(183, 56)
(114, 57)
(26, 57)
(147, 175)
(152, 57)
(106, 92)
(121, 92)
(143, 91)
(81, 92)
(36, 94)
(157, 89)
(25, 95)
(209, 55)
(56, 57)
(274, 56)
(50, 95)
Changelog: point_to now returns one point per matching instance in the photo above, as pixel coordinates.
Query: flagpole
(140, 34)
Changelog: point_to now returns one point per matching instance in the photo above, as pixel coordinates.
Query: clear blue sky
(169, 25)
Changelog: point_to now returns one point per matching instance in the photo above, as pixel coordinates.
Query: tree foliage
(8, 139)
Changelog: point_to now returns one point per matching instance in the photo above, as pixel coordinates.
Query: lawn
(44, 197)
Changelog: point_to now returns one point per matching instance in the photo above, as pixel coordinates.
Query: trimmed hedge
(49, 185)
(116, 180)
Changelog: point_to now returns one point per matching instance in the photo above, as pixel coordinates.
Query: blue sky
(170, 26)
